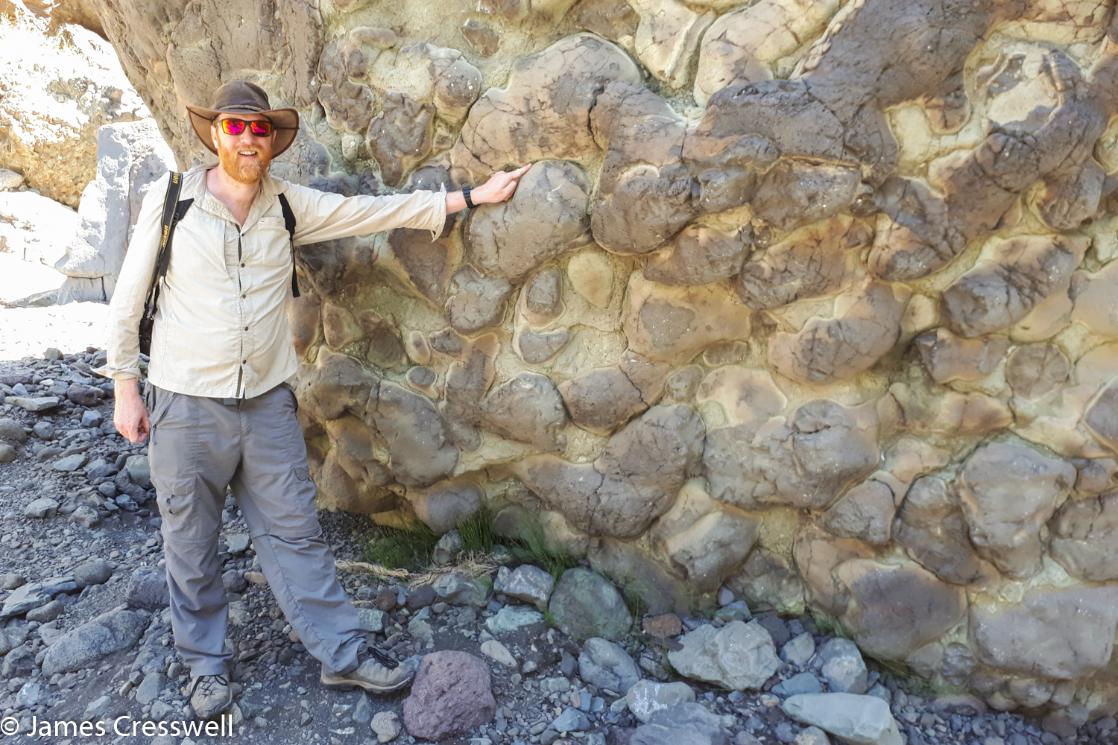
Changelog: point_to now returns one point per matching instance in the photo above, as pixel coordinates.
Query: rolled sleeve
(323, 216)
(127, 305)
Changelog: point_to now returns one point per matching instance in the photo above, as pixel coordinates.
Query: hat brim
(285, 122)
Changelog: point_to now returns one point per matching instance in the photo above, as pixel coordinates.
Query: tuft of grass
(477, 532)
(633, 591)
(827, 624)
(400, 548)
(411, 548)
(532, 548)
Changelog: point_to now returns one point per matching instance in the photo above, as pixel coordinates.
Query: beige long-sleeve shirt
(220, 327)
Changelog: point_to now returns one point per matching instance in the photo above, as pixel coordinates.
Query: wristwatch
(466, 195)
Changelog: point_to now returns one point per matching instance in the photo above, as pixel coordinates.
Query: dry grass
(474, 565)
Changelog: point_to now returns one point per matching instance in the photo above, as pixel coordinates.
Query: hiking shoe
(210, 695)
(377, 673)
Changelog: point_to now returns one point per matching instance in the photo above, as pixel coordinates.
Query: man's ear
(213, 134)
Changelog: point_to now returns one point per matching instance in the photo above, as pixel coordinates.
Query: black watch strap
(466, 195)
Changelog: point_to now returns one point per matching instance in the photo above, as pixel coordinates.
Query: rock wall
(814, 299)
(59, 82)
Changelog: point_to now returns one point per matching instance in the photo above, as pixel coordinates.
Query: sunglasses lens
(261, 128)
(232, 126)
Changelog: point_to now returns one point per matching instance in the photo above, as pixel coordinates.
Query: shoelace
(382, 658)
(207, 683)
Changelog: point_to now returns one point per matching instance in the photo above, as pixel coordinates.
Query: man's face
(244, 157)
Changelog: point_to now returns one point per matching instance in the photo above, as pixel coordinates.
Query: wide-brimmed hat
(243, 97)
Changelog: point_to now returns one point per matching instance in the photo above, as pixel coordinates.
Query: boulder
(688, 722)
(1085, 537)
(804, 461)
(527, 583)
(450, 696)
(646, 697)
(859, 720)
(586, 605)
(112, 631)
(738, 656)
(1055, 633)
(632, 482)
(607, 665)
(546, 218)
(1008, 490)
(131, 157)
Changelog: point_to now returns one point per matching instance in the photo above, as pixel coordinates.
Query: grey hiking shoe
(376, 673)
(210, 695)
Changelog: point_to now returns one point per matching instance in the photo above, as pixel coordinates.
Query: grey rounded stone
(585, 604)
(11, 431)
(512, 618)
(799, 650)
(110, 632)
(646, 697)
(607, 665)
(527, 583)
(69, 463)
(94, 572)
(843, 666)
(40, 508)
(739, 655)
(147, 589)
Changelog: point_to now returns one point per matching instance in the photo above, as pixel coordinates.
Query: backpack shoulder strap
(289, 223)
(173, 211)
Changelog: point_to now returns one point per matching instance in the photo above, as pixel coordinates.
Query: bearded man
(219, 404)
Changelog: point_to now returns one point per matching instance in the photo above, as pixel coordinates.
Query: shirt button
(244, 296)
(246, 328)
(242, 265)
(244, 362)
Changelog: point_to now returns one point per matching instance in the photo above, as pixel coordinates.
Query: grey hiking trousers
(197, 447)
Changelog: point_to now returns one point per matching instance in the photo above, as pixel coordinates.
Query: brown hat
(243, 97)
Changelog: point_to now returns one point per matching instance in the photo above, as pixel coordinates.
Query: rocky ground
(85, 636)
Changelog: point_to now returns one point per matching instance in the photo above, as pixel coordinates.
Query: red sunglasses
(259, 127)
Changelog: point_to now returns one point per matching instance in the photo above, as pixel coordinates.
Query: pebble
(799, 650)
(385, 725)
(69, 463)
(40, 508)
(571, 720)
(237, 543)
(35, 405)
(499, 653)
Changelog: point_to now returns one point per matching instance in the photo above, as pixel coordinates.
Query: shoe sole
(347, 683)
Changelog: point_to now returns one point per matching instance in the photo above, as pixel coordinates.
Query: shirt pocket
(271, 245)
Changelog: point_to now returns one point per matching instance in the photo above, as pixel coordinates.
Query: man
(219, 403)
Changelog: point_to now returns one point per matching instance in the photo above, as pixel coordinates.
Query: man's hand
(130, 416)
(499, 187)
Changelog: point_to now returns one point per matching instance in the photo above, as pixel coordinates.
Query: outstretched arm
(322, 216)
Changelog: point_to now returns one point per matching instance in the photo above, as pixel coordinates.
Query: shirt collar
(194, 187)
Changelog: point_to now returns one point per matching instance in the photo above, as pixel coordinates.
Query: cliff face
(59, 83)
(816, 299)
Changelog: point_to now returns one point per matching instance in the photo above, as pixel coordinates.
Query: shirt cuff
(440, 210)
(132, 373)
